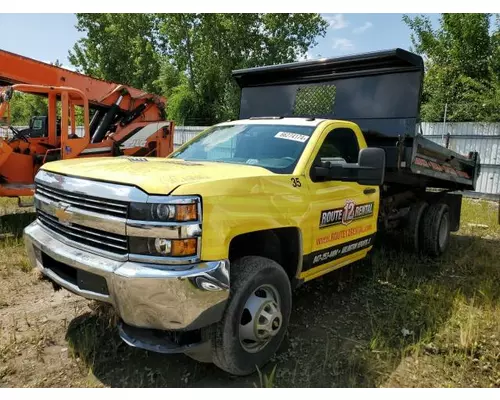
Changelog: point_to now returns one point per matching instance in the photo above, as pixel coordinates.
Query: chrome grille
(84, 202)
(88, 236)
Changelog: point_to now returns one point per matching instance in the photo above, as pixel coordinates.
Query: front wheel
(256, 318)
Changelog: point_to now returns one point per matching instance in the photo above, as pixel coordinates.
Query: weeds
(266, 381)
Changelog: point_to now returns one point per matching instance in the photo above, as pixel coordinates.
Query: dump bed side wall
(430, 159)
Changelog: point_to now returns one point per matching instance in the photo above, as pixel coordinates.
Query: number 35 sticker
(296, 182)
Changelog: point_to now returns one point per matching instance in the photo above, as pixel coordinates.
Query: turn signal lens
(184, 247)
(186, 212)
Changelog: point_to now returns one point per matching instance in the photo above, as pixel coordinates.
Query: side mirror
(370, 169)
(371, 166)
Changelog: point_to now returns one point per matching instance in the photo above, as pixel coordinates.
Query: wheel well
(282, 245)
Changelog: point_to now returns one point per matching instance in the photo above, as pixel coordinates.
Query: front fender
(234, 207)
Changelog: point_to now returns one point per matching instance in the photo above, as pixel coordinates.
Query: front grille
(84, 202)
(82, 234)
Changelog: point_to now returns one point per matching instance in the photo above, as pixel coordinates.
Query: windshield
(275, 147)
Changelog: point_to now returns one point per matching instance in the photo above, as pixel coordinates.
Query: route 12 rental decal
(345, 215)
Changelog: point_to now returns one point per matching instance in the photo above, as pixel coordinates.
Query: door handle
(369, 191)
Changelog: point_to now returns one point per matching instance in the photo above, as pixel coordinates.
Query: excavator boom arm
(15, 68)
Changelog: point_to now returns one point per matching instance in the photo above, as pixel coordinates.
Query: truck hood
(153, 175)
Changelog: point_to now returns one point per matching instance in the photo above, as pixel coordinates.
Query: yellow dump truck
(199, 252)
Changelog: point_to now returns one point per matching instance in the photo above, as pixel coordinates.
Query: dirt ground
(391, 321)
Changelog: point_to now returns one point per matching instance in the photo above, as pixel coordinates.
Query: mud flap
(454, 202)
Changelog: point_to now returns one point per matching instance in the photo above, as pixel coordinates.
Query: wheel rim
(261, 319)
(443, 231)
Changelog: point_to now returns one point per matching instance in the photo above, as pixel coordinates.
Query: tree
(207, 47)
(462, 62)
(118, 47)
(23, 106)
(189, 57)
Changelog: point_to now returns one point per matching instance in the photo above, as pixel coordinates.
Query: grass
(392, 320)
(266, 381)
(12, 254)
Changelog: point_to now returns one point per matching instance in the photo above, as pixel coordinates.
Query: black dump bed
(380, 92)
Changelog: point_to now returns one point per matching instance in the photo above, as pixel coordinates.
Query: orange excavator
(125, 121)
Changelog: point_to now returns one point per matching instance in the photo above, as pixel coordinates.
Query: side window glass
(339, 146)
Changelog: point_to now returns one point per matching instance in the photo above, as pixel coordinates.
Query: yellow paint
(239, 199)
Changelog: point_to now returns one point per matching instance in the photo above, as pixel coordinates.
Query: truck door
(343, 215)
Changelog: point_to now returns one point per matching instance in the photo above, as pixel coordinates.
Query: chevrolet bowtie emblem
(62, 213)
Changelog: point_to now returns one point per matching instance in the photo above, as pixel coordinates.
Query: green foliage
(118, 47)
(189, 57)
(266, 381)
(462, 66)
(184, 106)
(23, 106)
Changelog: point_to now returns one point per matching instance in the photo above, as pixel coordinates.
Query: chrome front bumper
(144, 295)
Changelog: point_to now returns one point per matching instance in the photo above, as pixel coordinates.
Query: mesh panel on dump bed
(314, 100)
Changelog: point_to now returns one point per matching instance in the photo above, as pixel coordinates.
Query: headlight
(167, 229)
(164, 212)
(163, 247)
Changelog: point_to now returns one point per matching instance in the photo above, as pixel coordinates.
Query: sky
(49, 37)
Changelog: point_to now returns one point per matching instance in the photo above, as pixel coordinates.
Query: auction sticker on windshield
(292, 136)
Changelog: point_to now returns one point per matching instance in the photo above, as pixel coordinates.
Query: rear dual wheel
(412, 233)
(436, 230)
(427, 229)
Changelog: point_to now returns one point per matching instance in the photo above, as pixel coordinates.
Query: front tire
(256, 318)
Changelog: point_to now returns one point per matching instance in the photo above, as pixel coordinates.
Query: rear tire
(259, 307)
(436, 229)
(411, 233)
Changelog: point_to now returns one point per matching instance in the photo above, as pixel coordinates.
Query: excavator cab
(39, 126)
(48, 138)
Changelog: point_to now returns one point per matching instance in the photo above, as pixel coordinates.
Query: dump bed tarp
(380, 91)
